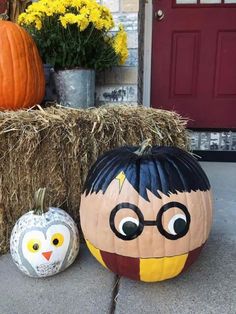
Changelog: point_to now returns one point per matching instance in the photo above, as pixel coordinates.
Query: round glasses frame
(143, 223)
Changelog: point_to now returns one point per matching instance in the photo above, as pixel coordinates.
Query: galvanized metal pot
(75, 88)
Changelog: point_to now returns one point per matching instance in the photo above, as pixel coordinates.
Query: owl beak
(47, 255)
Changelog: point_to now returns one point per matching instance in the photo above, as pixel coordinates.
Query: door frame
(147, 60)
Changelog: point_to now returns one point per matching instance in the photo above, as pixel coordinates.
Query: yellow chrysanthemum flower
(38, 24)
(76, 3)
(108, 25)
(22, 18)
(95, 16)
(63, 21)
(120, 45)
(58, 8)
(68, 18)
(82, 22)
(30, 18)
(50, 18)
(85, 11)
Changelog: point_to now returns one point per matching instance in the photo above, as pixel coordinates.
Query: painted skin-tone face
(96, 215)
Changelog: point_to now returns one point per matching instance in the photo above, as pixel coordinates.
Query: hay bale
(55, 147)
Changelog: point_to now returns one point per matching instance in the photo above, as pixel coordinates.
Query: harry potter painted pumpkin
(44, 243)
(146, 212)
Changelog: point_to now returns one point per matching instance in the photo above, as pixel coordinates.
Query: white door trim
(147, 66)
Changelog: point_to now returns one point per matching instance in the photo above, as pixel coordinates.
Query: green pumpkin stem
(39, 202)
(145, 148)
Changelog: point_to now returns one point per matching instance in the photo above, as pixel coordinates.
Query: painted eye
(177, 224)
(57, 239)
(173, 220)
(34, 245)
(129, 226)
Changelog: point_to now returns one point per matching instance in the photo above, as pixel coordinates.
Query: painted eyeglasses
(174, 226)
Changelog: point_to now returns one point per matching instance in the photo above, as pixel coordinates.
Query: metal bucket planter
(75, 88)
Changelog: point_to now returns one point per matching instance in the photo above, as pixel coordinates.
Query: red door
(194, 60)
(3, 6)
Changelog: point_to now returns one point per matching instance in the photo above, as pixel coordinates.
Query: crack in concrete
(115, 294)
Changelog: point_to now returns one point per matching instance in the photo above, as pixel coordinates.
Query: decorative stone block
(132, 40)
(120, 83)
(121, 75)
(129, 21)
(132, 60)
(113, 5)
(129, 5)
(213, 141)
(116, 93)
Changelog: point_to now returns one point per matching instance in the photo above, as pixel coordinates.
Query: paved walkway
(86, 287)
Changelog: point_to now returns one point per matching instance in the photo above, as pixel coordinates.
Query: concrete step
(209, 286)
(85, 287)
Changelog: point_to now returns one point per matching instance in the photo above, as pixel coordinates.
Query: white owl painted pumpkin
(44, 243)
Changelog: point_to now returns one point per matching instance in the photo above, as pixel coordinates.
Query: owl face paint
(43, 245)
(46, 251)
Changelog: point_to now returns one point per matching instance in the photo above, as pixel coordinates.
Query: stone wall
(120, 84)
(213, 141)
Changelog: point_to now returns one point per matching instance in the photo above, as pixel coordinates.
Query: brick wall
(121, 83)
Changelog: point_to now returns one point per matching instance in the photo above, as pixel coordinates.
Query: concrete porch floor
(209, 286)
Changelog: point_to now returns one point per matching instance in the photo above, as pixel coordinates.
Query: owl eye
(34, 245)
(57, 239)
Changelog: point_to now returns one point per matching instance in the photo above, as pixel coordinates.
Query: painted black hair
(174, 169)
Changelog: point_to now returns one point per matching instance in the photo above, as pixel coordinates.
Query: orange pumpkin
(22, 82)
(146, 212)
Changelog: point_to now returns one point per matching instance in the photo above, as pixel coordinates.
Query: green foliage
(69, 48)
(75, 34)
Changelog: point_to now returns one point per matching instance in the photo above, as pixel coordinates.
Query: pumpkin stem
(145, 148)
(39, 201)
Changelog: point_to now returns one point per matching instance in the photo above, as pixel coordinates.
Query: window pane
(230, 1)
(186, 1)
(210, 1)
